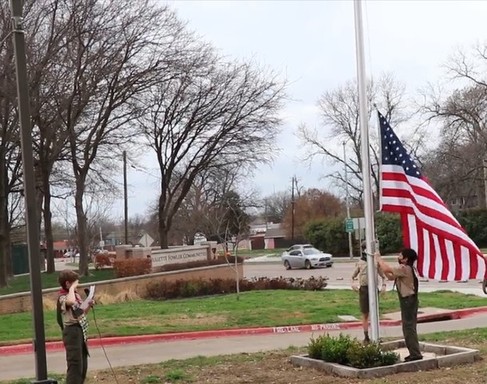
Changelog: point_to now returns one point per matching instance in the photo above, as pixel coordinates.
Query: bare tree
(459, 161)
(276, 206)
(10, 159)
(340, 113)
(206, 193)
(48, 32)
(230, 221)
(210, 114)
(237, 228)
(312, 204)
(115, 50)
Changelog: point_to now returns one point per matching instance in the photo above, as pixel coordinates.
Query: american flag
(445, 251)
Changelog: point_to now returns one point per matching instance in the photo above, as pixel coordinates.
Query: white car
(305, 256)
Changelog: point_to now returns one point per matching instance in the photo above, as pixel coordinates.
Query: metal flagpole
(368, 206)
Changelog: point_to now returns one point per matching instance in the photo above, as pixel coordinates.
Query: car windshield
(311, 251)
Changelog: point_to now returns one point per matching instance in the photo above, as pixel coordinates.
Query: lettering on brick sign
(176, 256)
(325, 327)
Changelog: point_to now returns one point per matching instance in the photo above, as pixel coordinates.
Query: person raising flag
(360, 275)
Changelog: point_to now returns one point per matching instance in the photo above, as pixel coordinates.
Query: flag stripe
(465, 264)
(438, 267)
(431, 251)
(445, 259)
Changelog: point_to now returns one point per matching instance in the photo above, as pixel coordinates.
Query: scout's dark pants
(363, 296)
(409, 316)
(76, 354)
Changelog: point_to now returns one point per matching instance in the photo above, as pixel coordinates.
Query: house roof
(273, 233)
(60, 245)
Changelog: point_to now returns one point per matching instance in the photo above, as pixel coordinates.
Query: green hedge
(474, 221)
(328, 235)
(389, 233)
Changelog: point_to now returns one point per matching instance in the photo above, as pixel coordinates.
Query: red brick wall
(21, 302)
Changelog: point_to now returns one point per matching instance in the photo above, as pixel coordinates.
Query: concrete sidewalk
(22, 365)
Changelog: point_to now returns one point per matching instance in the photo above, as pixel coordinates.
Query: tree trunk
(4, 256)
(50, 268)
(163, 233)
(39, 194)
(3, 263)
(237, 277)
(162, 216)
(82, 230)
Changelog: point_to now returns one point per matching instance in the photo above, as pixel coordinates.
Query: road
(339, 277)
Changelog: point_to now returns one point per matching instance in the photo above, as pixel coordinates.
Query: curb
(140, 339)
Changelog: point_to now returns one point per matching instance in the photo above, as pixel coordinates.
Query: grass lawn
(253, 309)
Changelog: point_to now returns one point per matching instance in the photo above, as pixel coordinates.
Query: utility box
(20, 259)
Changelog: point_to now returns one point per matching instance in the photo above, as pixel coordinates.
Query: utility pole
(292, 207)
(125, 199)
(347, 202)
(265, 214)
(39, 342)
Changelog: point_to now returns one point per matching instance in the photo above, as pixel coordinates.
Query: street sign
(348, 225)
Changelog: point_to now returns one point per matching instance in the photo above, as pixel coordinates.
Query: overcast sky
(311, 43)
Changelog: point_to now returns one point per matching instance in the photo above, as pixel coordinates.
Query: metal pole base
(48, 381)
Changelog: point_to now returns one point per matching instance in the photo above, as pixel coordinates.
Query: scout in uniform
(407, 288)
(74, 324)
(360, 273)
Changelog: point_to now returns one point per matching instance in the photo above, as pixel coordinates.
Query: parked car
(305, 256)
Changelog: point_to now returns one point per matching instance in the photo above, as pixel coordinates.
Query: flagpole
(379, 163)
(368, 206)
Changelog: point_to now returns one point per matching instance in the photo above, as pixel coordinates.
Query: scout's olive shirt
(361, 272)
(68, 316)
(404, 280)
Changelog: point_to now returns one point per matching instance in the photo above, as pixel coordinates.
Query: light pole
(125, 200)
(29, 192)
(347, 201)
(292, 208)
